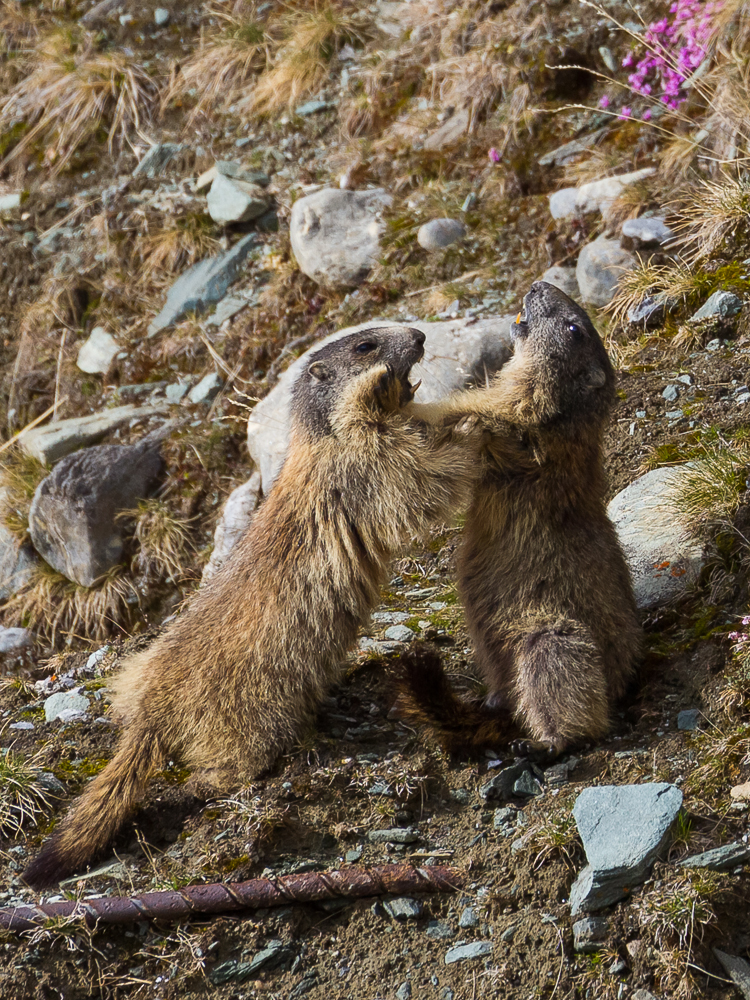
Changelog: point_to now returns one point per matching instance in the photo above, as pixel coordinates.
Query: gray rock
(460, 796)
(53, 441)
(229, 306)
(73, 517)
(468, 918)
(399, 633)
(450, 132)
(235, 519)
(207, 389)
(563, 204)
(623, 829)
(312, 108)
(230, 169)
(97, 351)
(466, 952)
(202, 285)
(645, 233)
(649, 311)
(589, 933)
(268, 958)
(563, 278)
(398, 835)
(526, 785)
(353, 856)
(176, 391)
(663, 560)
(688, 718)
(569, 150)
(403, 908)
(439, 930)
(642, 995)
(161, 17)
(600, 266)
(720, 859)
(233, 200)
(718, 307)
(501, 785)
(9, 202)
(18, 563)
(335, 234)
(440, 233)
(14, 641)
(738, 971)
(596, 196)
(404, 991)
(504, 817)
(64, 705)
(51, 784)
(671, 393)
(157, 158)
(457, 354)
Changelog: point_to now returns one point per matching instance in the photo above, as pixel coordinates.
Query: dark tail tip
(47, 868)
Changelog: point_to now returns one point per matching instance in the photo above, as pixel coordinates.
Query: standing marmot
(227, 686)
(549, 601)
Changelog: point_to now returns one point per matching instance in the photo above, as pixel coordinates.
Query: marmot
(228, 684)
(548, 596)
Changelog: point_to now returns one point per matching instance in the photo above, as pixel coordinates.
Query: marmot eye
(366, 346)
(575, 329)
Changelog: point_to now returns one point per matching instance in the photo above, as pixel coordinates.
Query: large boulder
(595, 196)
(18, 561)
(601, 264)
(458, 353)
(662, 556)
(235, 519)
(335, 234)
(73, 518)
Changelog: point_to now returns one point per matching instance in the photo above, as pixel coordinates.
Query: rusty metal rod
(308, 887)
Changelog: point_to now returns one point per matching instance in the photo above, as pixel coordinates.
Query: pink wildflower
(625, 113)
(604, 101)
(493, 155)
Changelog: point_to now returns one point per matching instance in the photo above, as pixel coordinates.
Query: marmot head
(569, 369)
(335, 364)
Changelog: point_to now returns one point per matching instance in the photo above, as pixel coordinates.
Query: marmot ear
(596, 377)
(319, 371)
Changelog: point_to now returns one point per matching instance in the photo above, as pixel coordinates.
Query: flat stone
(397, 835)
(353, 856)
(399, 633)
(589, 933)
(599, 196)
(62, 704)
(504, 816)
(501, 785)
(403, 908)
(671, 393)
(440, 233)
(15, 640)
(623, 828)
(97, 351)
(563, 204)
(52, 441)
(720, 859)
(265, 959)
(741, 793)
(718, 307)
(563, 278)
(234, 200)
(600, 266)
(457, 354)
(157, 158)
(645, 233)
(737, 969)
(570, 150)
(335, 234)
(468, 918)
(235, 519)
(439, 930)
(229, 306)
(202, 285)
(207, 389)
(450, 132)
(312, 108)
(73, 520)
(18, 562)
(643, 995)
(229, 168)
(688, 719)
(663, 560)
(467, 952)
(649, 311)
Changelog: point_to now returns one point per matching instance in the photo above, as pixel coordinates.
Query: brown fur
(230, 682)
(548, 597)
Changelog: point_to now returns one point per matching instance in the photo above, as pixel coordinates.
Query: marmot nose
(419, 337)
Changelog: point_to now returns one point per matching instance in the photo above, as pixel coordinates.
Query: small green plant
(23, 801)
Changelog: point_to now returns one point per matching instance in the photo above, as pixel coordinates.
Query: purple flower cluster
(676, 47)
(741, 640)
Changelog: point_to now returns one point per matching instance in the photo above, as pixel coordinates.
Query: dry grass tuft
(161, 255)
(675, 281)
(20, 474)
(722, 756)
(23, 801)
(227, 63)
(707, 494)
(715, 213)
(311, 38)
(165, 546)
(71, 92)
(55, 607)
